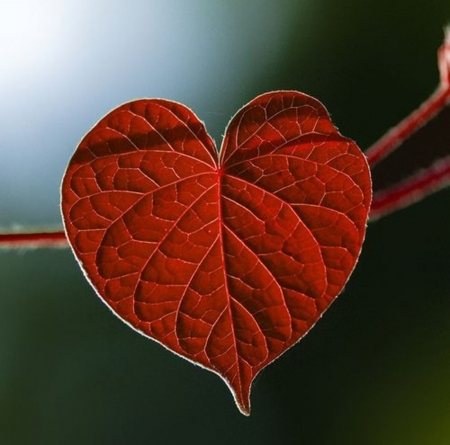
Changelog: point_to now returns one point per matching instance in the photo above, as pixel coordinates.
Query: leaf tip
(241, 396)
(244, 408)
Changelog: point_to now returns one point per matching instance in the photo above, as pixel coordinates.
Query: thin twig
(428, 178)
(56, 239)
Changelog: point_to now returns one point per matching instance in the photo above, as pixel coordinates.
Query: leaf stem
(51, 239)
(419, 143)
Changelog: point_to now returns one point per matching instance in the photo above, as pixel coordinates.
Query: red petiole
(33, 239)
(413, 159)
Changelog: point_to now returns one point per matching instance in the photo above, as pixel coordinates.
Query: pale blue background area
(66, 64)
(374, 370)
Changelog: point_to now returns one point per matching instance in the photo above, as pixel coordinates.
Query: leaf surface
(226, 258)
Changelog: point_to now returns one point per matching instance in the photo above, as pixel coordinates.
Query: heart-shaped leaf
(228, 258)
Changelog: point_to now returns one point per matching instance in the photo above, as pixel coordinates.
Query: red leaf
(227, 262)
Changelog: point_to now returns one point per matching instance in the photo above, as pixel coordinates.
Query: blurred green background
(374, 371)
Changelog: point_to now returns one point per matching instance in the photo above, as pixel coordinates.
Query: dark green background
(374, 370)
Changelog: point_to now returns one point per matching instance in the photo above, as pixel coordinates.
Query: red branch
(33, 240)
(430, 178)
